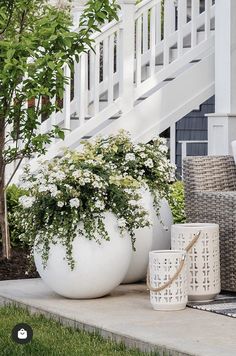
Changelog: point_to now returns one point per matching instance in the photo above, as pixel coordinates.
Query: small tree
(36, 41)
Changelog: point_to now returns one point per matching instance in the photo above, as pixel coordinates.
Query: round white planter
(149, 238)
(98, 270)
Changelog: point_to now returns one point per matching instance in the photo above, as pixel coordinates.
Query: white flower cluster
(27, 201)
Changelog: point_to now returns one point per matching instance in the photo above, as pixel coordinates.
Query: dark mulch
(18, 267)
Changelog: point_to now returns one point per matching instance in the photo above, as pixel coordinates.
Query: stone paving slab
(126, 315)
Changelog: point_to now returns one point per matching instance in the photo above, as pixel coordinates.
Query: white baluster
(152, 40)
(91, 75)
(195, 13)
(119, 59)
(145, 32)
(105, 59)
(38, 105)
(182, 17)
(138, 50)
(76, 85)
(53, 115)
(167, 31)
(66, 99)
(127, 62)
(158, 21)
(82, 88)
(111, 69)
(207, 18)
(96, 79)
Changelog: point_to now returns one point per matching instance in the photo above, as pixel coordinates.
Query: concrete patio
(126, 315)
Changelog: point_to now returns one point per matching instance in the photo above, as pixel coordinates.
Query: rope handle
(173, 278)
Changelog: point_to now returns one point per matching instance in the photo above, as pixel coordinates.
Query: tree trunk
(6, 246)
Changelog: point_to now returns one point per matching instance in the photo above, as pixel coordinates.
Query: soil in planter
(18, 267)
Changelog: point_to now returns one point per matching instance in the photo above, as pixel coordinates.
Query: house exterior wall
(191, 132)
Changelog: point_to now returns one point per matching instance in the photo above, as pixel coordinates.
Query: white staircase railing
(149, 44)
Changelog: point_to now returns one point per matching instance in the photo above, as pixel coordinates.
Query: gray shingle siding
(193, 127)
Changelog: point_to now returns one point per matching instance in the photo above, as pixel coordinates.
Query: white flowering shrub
(146, 163)
(76, 189)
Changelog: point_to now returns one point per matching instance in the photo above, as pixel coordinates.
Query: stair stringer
(169, 104)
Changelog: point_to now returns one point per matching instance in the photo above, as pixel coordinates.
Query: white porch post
(77, 9)
(222, 124)
(128, 50)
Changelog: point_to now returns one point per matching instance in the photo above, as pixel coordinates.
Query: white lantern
(168, 268)
(203, 258)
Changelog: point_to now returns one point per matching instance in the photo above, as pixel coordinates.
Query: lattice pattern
(203, 259)
(163, 266)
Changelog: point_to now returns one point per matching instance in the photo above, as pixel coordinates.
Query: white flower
(43, 188)
(26, 185)
(53, 189)
(142, 155)
(163, 148)
(26, 201)
(130, 157)
(74, 203)
(59, 175)
(132, 202)
(99, 205)
(96, 184)
(162, 140)
(76, 174)
(60, 204)
(121, 222)
(149, 163)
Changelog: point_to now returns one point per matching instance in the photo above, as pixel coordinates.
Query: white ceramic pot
(162, 227)
(98, 270)
(143, 244)
(149, 238)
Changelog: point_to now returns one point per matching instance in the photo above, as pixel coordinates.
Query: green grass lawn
(51, 338)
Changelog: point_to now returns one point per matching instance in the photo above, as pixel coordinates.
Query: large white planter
(149, 238)
(98, 270)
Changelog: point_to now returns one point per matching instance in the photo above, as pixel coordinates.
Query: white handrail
(129, 57)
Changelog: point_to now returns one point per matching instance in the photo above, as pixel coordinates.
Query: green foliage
(13, 195)
(36, 41)
(52, 339)
(176, 202)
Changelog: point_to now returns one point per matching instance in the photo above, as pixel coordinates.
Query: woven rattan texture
(210, 196)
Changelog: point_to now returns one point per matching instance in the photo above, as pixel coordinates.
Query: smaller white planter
(155, 237)
(144, 238)
(162, 266)
(162, 227)
(98, 270)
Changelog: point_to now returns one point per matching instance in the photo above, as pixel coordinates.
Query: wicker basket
(210, 197)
